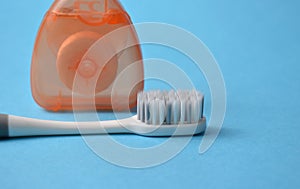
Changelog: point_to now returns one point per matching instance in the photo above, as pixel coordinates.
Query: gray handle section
(4, 126)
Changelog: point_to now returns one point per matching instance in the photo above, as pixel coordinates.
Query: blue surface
(257, 45)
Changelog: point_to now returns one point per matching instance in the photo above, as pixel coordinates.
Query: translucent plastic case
(73, 57)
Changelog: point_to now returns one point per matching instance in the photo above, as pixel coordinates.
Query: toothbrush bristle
(162, 107)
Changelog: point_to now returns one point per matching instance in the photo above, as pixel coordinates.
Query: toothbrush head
(161, 113)
(162, 107)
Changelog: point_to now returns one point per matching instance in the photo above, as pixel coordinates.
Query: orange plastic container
(73, 57)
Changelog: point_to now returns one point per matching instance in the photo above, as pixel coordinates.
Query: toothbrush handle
(4, 126)
(14, 126)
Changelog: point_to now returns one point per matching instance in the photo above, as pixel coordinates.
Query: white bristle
(162, 111)
(195, 109)
(188, 111)
(183, 110)
(176, 109)
(162, 107)
(139, 104)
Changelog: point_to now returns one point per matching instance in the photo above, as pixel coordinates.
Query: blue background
(257, 45)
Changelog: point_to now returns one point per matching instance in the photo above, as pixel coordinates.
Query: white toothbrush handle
(14, 126)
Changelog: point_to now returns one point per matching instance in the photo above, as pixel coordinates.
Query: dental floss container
(75, 56)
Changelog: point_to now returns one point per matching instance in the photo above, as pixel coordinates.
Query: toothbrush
(159, 113)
